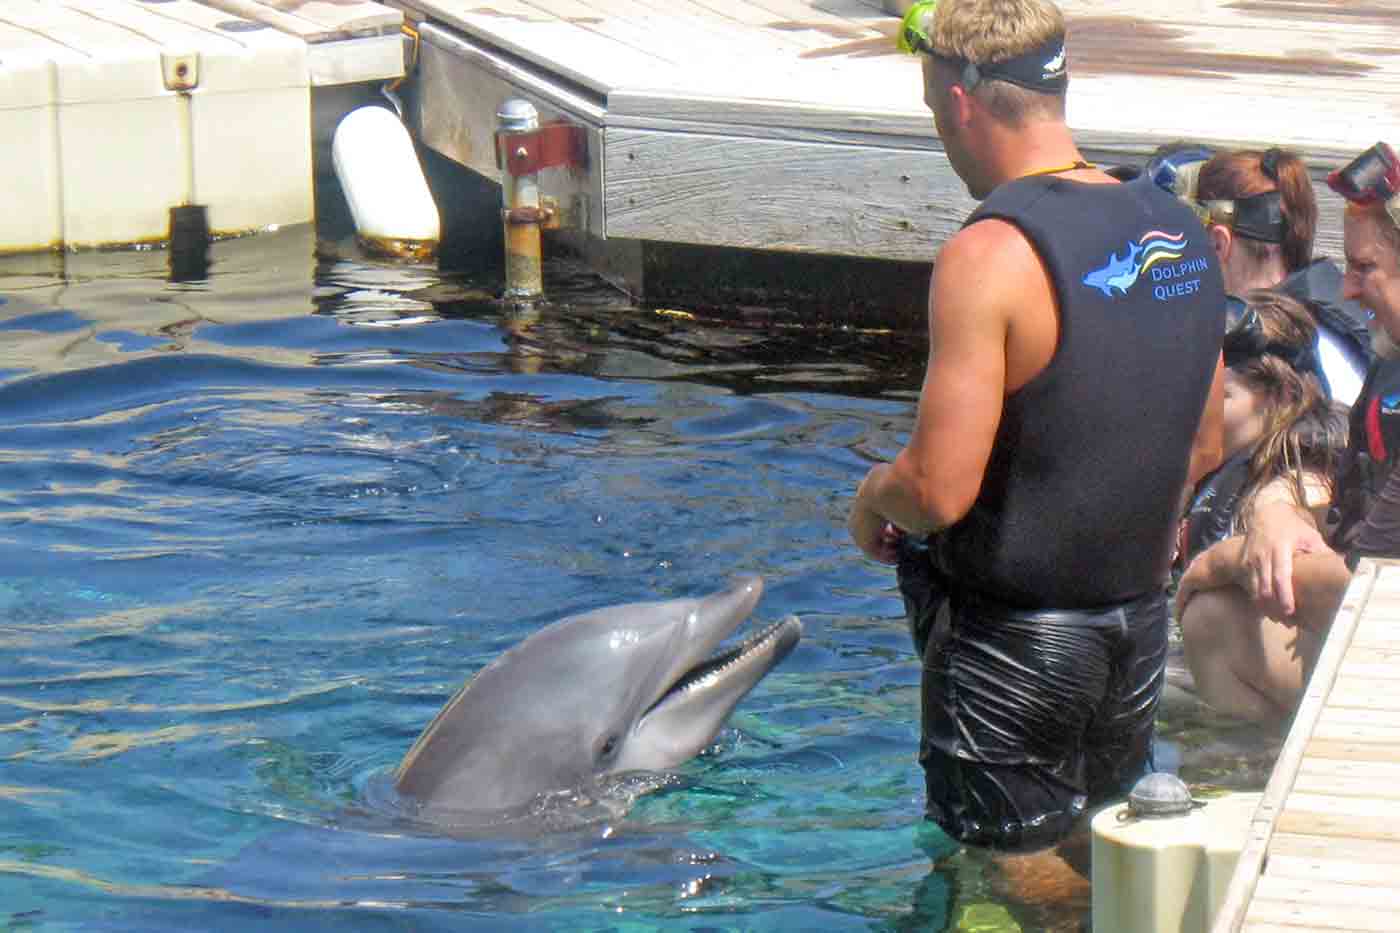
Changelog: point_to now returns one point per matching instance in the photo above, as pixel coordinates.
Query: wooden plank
(1325, 814)
(1350, 727)
(1381, 632)
(1324, 905)
(843, 200)
(579, 55)
(1357, 695)
(1293, 915)
(1326, 767)
(1354, 751)
(1364, 653)
(1240, 892)
(1323, 894)
(317, 20)
(1332, 868)
(1341, 716)
(1360, 785)
(1300, 845)
(1356, 668)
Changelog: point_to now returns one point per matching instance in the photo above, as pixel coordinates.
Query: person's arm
(1315, 579)
(1319, 579)
(1279, 532)
(982, 274)
(1208, 449)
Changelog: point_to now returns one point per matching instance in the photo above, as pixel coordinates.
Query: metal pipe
(521, 213)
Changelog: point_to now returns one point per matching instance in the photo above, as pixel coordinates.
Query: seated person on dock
(1283, 439)
(1288, 569)
(1261, 211)
(1073, 389)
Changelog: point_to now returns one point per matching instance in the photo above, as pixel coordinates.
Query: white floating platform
(112, 112)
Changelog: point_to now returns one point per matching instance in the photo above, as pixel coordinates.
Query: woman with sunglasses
(1283, 440)
(1261, 214)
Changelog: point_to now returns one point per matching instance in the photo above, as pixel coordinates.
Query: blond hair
(983, 31)
(986, 31)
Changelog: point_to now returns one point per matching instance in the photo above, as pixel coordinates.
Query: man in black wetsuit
(1291, 571)
(1075, 326)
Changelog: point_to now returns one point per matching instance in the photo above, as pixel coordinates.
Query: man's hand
(1277, 532)
(871, 531)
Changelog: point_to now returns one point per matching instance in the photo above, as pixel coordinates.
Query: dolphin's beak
(702, 689)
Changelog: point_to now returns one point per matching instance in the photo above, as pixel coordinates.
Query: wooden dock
(1323, 851)
(796, 126)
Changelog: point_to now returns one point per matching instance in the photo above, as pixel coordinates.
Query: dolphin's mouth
(763, 650)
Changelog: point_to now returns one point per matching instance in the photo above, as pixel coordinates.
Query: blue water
(254, 530)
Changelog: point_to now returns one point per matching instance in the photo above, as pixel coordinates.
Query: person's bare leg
(1245, 664)
(1053, 883)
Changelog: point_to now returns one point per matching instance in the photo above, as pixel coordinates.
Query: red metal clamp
(551, 145)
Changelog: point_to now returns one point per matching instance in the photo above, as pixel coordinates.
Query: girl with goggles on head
(1283, 442)
(1261, 215)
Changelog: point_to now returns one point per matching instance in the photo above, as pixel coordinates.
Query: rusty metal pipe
(521, 211)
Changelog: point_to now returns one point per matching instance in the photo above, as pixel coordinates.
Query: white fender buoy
(1167, 872)
(384, 185)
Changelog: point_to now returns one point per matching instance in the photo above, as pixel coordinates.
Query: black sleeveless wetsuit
(1042, 677)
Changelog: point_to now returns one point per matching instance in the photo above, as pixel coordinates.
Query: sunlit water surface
(255, 529)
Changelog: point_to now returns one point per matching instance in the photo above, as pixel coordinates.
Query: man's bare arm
(982, 274)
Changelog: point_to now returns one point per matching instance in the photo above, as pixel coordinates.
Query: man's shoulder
(988, 253)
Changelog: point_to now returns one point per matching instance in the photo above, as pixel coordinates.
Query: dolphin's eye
(608, 748)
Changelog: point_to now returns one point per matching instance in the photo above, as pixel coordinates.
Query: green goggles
(1039, 69)
(913, 38)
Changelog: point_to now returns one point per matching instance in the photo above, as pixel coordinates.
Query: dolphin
(1118, 273)
(624, 688)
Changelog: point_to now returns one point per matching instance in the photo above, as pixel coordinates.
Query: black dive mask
(1258, 217)
(1245, 340)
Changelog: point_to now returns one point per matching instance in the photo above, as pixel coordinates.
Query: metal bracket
(180, 72)
(550, 146)
(547, 215)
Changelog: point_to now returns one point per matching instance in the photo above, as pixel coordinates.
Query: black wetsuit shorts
(1030, 717)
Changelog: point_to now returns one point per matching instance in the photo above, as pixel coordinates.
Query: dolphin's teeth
(715, 667)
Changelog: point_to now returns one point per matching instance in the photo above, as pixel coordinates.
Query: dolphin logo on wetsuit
(1120, 273)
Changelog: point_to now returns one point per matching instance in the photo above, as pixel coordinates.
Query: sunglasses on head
(1373, 176)
(1245, 340)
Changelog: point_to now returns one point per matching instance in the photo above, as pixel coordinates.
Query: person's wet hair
(1303, 430)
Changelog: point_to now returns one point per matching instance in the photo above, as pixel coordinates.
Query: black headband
(1260, 217)
(1041, 69)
